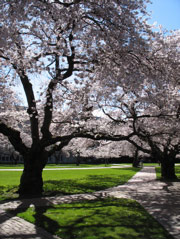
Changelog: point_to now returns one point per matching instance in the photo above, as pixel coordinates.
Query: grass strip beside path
(98, 219)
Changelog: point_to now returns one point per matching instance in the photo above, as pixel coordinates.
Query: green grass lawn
(10, 166)
(65, 182)
(177, 172)
(99, 219)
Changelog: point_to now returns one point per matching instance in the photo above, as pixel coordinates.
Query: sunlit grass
(11, 166)
(9, 178)
(68, 181)
(100, 219)
(85, 181)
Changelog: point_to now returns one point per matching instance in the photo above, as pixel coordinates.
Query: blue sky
(166, 13)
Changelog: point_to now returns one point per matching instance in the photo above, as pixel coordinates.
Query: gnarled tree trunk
(31, 182)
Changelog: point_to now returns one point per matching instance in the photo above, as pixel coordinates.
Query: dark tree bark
(31, 182)
(168, 168)
(136, 159)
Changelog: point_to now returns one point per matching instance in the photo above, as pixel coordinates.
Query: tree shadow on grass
(89, 184)
(8, 192)
(110, 219)
(92, 183)
(99, 219)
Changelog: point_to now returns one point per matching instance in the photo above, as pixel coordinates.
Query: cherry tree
(50, 46)
(151, 100)
(154, 120)
(158, 125)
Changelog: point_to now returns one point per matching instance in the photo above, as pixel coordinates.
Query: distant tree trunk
(106, 161)
(31, 182)
(168, 167)
(78, 159)
(16, 159)
(136, 159)
(57, 156)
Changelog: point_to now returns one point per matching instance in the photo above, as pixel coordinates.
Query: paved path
(75, 168)
(160, 199)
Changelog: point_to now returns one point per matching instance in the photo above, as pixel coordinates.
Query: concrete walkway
(69, 168)
(162, 200)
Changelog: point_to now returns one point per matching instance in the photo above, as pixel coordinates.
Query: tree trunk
(31, 182)
(168, 168)
(136, 159)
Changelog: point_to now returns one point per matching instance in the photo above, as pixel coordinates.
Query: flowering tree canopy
(61, 52)
(152, 108)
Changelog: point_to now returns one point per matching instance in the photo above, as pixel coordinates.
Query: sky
(165, 13)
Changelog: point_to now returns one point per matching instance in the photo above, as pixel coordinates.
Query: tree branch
(58, 147)
(113, 119)
(14, 137)
(138, 146)
(32, 110)
(48, 109)
(67, 4)
(89, 135)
